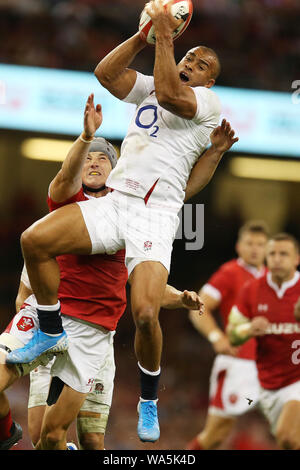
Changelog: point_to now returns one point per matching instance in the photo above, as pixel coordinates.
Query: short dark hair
(283, 236)
(254, 226)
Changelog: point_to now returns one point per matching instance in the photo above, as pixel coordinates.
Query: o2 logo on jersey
(146, 119)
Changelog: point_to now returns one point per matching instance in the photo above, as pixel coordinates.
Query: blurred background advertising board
(45, 100)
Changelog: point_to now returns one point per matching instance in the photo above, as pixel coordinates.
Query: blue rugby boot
(39, 344)
(71, 446)
(148, 426)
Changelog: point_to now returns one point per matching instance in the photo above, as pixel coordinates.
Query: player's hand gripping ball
(180, 9)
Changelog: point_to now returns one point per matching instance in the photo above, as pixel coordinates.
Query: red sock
(5, 427)
(194, 445)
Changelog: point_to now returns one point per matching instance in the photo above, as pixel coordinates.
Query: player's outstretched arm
(113, 72)
(174, 298)
(222, 139)
(68, 180)
(170, 92)
(208, 327)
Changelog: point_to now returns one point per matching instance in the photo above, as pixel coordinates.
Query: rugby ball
(180, 9)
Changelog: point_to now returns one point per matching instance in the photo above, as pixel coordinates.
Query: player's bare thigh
(288, 426)
(62, 231)
(148, 281)
(58, 417)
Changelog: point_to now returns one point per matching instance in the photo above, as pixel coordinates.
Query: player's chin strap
(93, 190)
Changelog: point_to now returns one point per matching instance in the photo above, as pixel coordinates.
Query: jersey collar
(251, 269)
(280, 291)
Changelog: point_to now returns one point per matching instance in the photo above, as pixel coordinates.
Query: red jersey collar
(280, 291)
(251, 269)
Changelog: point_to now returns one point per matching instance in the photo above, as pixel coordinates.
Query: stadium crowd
(74, 34)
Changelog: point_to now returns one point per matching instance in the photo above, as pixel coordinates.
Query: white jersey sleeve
(212, 292)
(208, 104)
(25, 278)
(142, 88)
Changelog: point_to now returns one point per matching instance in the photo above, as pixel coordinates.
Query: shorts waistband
(88, 323)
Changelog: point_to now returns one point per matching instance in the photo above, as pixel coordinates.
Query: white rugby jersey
(161, 147)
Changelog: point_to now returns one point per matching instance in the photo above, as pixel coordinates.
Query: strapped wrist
(214, 336)
(85, 139)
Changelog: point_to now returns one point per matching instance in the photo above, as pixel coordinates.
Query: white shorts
(271, 402)
(100, 395)
(79, 365)
(39, 385)
(234, 386)
(87, 350)
(119, 221)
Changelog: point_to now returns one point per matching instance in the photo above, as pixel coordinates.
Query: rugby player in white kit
(83, 294)
(93, 297)
(176, 113)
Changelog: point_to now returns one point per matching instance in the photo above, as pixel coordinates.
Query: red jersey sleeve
(221, 281)
(56, 205)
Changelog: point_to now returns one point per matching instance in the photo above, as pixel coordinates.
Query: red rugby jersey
(224, 286)
(277, 356)
(92, 287)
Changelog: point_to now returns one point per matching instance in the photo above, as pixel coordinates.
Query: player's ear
(210, 83)
(237, 248)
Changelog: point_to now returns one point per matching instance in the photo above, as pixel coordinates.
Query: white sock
(148, 372)
(49, 308)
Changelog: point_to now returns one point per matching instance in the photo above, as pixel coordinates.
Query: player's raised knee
(53, 437)
(92, 441)
(32, 242)
(29, 240)
(145, 318)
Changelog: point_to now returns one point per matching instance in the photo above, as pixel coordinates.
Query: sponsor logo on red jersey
(25, 323)
(283, 329)
(263, 307)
